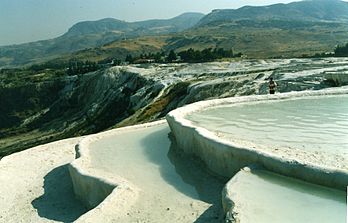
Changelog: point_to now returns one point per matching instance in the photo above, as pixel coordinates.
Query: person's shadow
(58, 203)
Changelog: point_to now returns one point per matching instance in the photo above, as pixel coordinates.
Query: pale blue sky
(30, 20)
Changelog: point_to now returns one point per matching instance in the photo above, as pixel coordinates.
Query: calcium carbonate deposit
(284, 156)
(264, 197)
(173, 187)
(300, 135)
(310, 125)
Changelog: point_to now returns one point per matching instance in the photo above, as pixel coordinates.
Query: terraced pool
(261, 196)
(317, 124)
(174, 187)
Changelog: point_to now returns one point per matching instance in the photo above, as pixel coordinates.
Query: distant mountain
(155, 26)
(309, 10)
(281, 30)
(97, 27)
(91, 34)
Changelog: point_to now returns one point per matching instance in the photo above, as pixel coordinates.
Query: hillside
(280, 30)
(266, 39)
(308, 10)
(118, 49)
(91, 34)
(129, 29)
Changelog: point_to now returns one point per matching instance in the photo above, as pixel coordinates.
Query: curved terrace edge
(101, 192)
(226, 158)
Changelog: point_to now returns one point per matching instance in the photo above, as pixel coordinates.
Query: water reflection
(185, 172)
(149, 159)
(194, 172)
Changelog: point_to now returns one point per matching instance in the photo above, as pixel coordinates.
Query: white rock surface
(227, 157)
(35, 185)
(144, 192)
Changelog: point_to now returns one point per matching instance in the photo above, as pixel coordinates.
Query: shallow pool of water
(264, 197)
(174, 186)
(311, 123)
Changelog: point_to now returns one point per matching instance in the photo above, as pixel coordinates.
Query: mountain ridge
(180, 22)
(309, 10)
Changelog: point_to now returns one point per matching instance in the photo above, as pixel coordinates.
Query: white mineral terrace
(297, 138)
(311, 128)
(301, 135)
(137, 174)
(153, 182)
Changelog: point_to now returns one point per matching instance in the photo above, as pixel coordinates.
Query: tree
(171, 56)
(207, 55)
(129, 58)
(341, 51)
(158, 57)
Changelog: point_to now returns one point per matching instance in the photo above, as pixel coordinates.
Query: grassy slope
(120, 49)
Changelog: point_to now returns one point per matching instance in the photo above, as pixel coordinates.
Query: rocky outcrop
(77, 105)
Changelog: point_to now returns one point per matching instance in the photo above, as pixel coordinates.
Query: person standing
(272, 85)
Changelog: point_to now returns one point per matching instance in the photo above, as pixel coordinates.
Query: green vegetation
(71, 67)
(17, 77)
(172, 56)
(80, 67)
(187, 56)
(341, 51)
(206, 55)
(24, 93)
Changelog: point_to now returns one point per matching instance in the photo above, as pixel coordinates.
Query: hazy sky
(31, 20)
